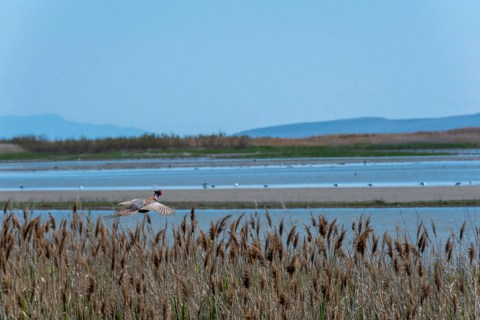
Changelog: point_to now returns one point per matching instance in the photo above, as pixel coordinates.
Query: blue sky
(189, 67)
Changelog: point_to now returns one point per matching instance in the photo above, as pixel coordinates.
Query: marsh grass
(242, 268)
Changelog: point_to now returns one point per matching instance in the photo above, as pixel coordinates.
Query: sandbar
(387, 195)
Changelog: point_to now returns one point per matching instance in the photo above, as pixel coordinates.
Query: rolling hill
(53, 127)
(364, 125)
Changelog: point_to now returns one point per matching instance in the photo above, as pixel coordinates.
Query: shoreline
(288, 197)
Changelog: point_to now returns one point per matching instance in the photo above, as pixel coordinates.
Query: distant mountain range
(364, 125)
(55, 127)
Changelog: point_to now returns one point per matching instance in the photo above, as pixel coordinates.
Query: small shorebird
(135, 206)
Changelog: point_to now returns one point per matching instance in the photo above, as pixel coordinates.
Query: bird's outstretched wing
(159, 208)
(121, 213)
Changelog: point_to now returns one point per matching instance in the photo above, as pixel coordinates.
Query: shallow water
(15, 176)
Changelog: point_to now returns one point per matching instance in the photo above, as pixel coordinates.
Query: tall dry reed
(237, 269)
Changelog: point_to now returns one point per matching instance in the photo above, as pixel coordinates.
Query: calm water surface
(182, 175)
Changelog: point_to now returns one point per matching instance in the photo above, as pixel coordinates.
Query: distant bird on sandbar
(423, 184)
(135, 206)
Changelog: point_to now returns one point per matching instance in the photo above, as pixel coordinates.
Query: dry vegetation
(238, 269)
(145, 142)
(464, 135)
(470, 136)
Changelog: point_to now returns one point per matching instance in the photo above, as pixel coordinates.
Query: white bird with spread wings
(135, 206)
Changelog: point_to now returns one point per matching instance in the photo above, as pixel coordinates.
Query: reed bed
(464, 137)
(237, 269)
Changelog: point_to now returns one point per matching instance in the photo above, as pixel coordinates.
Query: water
(391, 220)
(186, 174)
(183, 174)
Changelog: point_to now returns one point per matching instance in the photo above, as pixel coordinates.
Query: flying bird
(135, 206)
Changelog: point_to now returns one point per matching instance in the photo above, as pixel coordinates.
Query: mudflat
(239, 195)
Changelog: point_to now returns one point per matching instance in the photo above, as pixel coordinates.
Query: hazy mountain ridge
(364, 125)
(53, 127)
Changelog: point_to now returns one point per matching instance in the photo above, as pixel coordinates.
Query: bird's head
(158, 193)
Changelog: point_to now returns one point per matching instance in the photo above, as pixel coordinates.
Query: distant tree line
(464, 137)
(144, 142)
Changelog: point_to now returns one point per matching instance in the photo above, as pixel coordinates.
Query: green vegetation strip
(240, 153)
(246, 205)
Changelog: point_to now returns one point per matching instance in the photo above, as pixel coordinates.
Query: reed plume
(241, 268)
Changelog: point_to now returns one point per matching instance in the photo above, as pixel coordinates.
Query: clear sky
(189, 67)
